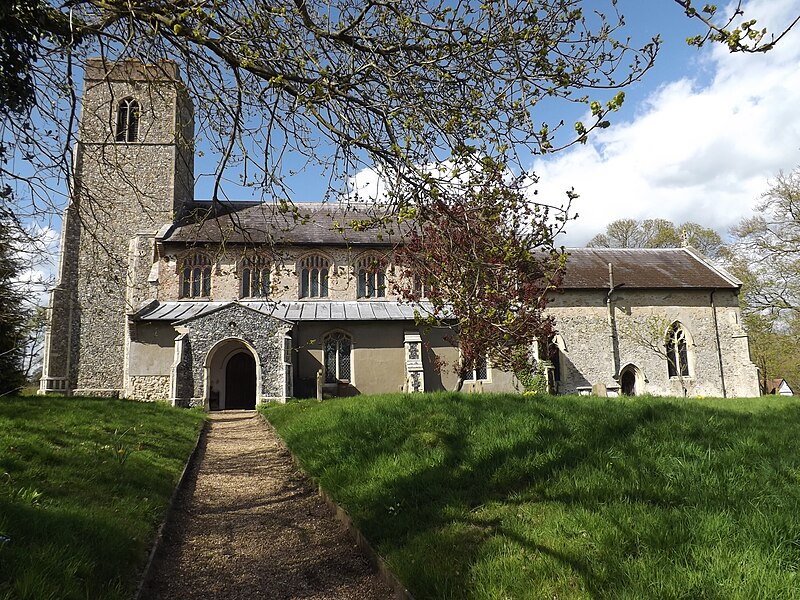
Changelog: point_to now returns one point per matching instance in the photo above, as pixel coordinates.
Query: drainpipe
(611, 322)
(719, 346)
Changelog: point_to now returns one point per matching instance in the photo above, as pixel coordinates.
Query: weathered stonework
(149, 387)
(119, 189)
(595, 348)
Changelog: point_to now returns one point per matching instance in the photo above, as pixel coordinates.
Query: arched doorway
(630, 381)
(240, 382)
(232, 375)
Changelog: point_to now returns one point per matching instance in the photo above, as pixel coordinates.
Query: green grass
(505, 496)
(84, 484)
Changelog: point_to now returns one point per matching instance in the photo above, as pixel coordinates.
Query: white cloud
(38, 257)
(691, 153)
(368, 185)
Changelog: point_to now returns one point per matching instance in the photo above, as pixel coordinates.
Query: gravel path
(248, 525)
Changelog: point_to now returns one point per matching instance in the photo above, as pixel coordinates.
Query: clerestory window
(371, 278)
(195, 276)
(314, 276)
(677, 351)
(255, 277)
(128, 121)
(337, 349)
(422, 288)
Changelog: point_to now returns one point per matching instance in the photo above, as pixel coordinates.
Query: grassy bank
(84, 484)
(488, 496)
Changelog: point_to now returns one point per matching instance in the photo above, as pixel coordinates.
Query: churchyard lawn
(509, 496)
(84, 484)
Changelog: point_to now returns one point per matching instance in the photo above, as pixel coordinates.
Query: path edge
(399, 591)
(147, 573)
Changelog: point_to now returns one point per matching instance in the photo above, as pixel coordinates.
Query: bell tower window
(128, 121)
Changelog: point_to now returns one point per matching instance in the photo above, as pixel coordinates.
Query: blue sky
(697, 140)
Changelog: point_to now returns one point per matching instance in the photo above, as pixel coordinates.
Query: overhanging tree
(387, 85)
(483, 256)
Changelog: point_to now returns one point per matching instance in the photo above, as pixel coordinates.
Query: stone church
(161, 297)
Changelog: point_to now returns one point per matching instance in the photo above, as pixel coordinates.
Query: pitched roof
(332, 223)
(304, 223)
(587, 268)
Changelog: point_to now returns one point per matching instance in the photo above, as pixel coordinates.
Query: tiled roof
(291, 311)
(329, 223)
(587, 268)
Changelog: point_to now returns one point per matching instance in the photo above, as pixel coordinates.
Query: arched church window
(196, 276)
(314, 276)
(677, 351)
(371, 275)
(337, 349)
(255, 277)
(128, 121)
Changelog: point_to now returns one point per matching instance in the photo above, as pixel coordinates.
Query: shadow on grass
(442, 485)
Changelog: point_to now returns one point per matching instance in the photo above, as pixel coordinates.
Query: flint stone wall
(589, 355)
(263, 333)
(120, 189)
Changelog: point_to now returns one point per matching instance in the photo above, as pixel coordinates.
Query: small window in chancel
(481, 370)
(127, 121)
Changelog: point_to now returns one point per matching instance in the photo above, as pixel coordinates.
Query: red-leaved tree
(482, 254)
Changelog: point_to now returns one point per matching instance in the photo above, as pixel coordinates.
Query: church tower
(133, 175)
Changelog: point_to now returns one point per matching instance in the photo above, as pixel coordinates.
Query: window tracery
(255, 277)
(371, 275)
(314, 276)
(337, 350)
(677, 351)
